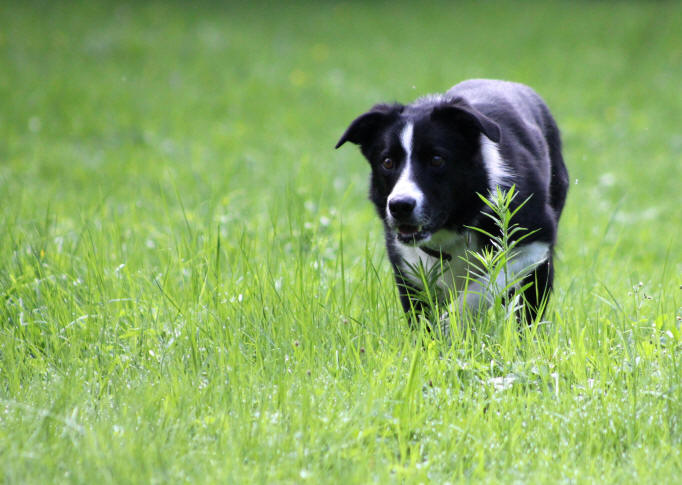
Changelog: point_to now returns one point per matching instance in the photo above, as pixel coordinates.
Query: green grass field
(194, 286)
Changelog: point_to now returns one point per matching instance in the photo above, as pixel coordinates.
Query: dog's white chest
(449, 276)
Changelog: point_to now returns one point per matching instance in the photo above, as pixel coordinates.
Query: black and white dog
(429, 161)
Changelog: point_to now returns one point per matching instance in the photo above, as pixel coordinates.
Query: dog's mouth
(410, 234)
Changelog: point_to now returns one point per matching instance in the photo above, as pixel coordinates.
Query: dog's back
(529, 126)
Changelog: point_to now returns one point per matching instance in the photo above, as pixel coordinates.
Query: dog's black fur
(478, 135)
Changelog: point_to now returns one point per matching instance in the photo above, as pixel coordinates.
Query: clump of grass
(491, 264)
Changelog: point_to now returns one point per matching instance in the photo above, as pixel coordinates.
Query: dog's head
(427, 164)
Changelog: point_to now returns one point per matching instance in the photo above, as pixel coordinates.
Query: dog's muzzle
(403, 220)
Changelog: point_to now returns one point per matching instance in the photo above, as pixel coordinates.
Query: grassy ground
(193, 283)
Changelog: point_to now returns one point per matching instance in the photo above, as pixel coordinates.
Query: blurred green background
(119, 101)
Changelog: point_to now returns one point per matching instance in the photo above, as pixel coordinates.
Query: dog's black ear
(366, 126)
(456, 110)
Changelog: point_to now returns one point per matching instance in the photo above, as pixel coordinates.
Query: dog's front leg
(481, 293)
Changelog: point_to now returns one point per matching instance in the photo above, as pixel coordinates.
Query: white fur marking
(498, 172)
(453, 272)
(406, 186)
(406, 140)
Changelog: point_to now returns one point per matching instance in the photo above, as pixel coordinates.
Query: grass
(194, 287)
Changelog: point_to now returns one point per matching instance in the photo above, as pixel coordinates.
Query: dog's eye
(437, 161)
(387, 164)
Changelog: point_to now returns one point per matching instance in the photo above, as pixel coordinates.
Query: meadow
(193, 283)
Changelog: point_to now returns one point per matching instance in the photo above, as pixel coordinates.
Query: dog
(431, 160)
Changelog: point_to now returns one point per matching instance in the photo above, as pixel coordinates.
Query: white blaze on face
(406, 187)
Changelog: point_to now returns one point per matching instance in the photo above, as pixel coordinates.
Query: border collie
(431, 159)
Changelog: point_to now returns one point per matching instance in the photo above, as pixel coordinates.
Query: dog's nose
(401, 207)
